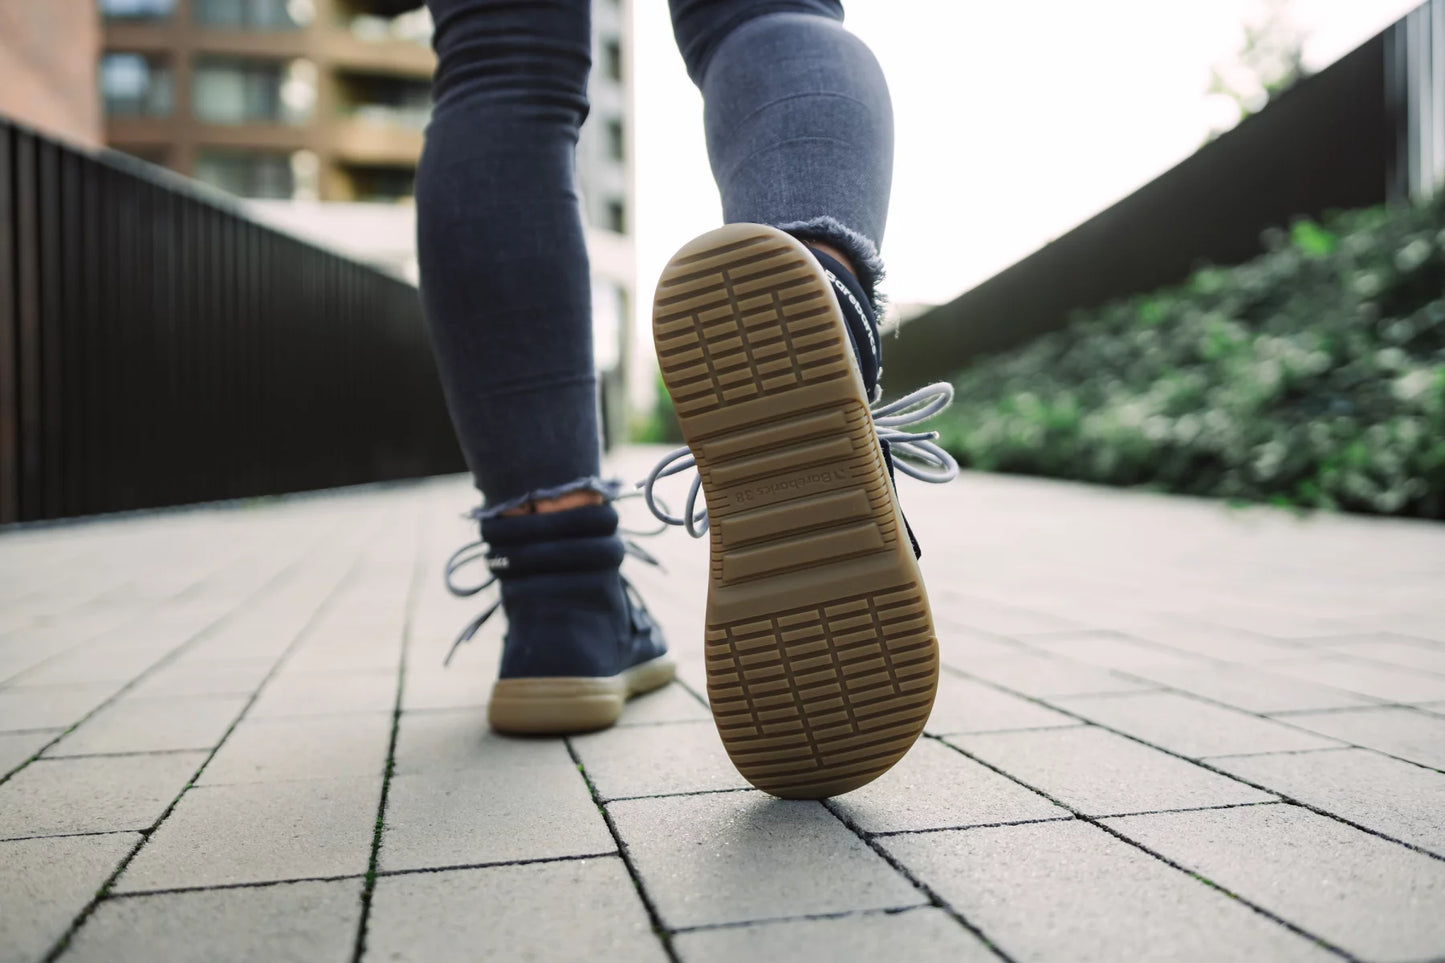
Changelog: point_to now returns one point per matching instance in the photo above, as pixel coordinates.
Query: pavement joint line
(1284, 752)
(1377, 704)
(889, 834)
(1380, 663)
(934, 899)
(653, 916)
(368, 888)
(608, 800)
(799, 918)
(176, 653)
(322, 607)
(140, 616)
(992, 732)
(1203, 764)
(210, 888)
(699, 697)
(1098, 823)
(121, 755)
(1197, 809)
(94, 832)
(496, 864)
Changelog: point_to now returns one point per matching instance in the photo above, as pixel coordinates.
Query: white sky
(1014, 121)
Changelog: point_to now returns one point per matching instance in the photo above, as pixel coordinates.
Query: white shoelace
(914, 454)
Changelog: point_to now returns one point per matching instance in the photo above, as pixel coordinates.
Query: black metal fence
(1369, 129)
(158, 348)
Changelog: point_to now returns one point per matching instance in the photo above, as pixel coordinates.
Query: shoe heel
(821, 657)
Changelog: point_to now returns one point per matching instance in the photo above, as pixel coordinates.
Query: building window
(253, 91)
(392, 101)
(247, 174)
(137, 9)
(616, 143)
(616, 216)
(135, 85)
(380, 184)
(612, 58)
(252, 14)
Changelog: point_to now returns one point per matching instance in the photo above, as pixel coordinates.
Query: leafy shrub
(1311, 376)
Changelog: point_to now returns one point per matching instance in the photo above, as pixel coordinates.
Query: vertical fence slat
(27, 294)
(9, 338)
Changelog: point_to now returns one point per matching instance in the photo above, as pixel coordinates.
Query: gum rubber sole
(822, 663)
(556, 706)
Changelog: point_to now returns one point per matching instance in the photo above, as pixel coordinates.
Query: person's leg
(799, 121)
(507, 295)
(821, 658)
(504, 272)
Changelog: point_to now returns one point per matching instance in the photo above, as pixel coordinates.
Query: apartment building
(314, 111)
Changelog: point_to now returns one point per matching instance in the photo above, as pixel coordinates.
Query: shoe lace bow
(915, 453)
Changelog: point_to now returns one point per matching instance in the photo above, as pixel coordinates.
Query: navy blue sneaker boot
(579, 642)
(822, 661)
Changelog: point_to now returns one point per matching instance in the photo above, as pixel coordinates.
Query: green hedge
(1311, 376)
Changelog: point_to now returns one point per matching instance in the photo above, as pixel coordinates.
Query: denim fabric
(799, 133)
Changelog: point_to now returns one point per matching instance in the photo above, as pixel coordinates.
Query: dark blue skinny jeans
(799, 134)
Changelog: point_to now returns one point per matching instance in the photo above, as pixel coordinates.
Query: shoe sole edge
(560, 705)
(822, 662)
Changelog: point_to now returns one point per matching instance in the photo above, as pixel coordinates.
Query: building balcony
(368, 137)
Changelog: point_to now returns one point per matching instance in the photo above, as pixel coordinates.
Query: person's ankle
(561, 503)
(836, 253)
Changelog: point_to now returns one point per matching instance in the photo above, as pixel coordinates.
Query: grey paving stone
(1371, 897)
(998, 619)
(1392, 797)
(1407, 733)
(91, 664)
(50, 707)
(656, 760)
(965, 705)
(320, 695)
(958, 645)
(238, 677)
(1382, 682)
(16, 747)
(306, 747)
(432, 687)
(1043, 676)
(1110, 650)
(1189, 727)
(1252, 689)
(44, 885)
(283, 923)
(259, 833)
(505, 800)
(923, 935)
(102, 794)
(1215, 642)
(734, 857)
(152, 725)
(1100, 773)
(434, 742)
(510, 913)
(1069, 891)
(693, 673)
(1397, 650)
(936, 787)
(671, 703)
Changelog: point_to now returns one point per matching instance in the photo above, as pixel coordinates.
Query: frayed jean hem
(860, 250)
(608, 489)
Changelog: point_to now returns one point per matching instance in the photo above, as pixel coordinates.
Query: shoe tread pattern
(821, 657)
